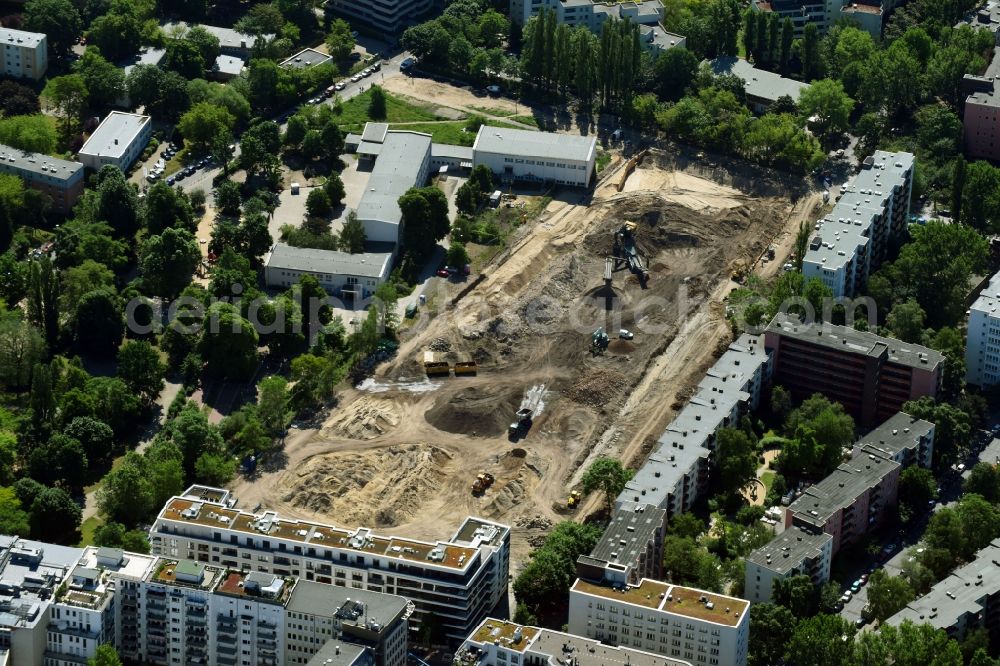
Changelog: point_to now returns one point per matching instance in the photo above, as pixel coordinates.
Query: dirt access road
(400, 451)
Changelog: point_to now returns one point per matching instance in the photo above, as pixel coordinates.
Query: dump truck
(435, 365)
(574, 499)
(465, 365)
(483, 481)
(520, 427)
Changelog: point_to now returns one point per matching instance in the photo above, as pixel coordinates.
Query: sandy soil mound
(476, 411)
(365, 418)
(621, 347)
(382, 487)
(598, 388)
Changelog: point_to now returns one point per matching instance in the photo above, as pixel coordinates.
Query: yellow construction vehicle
(483, 481)
(574, 499)
(435, 365)
(465, 365)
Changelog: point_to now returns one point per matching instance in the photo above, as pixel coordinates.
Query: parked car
(339, 85)
(441, 272)
(626, 334)
(846, 596)
(860, 622)
(171, 180)
(855, 586)
(863, 579)
(493, 90)
(377, 65)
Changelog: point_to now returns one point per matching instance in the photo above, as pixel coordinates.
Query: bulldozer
(573, 500)
(483, 481)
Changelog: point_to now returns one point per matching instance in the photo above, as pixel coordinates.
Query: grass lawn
(502, 113)
(603, 157)
(87, 529)
(526, 120)
(450, 132)
(767, 478)
(355, 110)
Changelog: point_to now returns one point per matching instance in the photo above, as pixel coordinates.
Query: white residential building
(23, 55)
(458, 582)
(589, 13)
(58, 604)
(92, 610)
(389, 17)
(677, 470)
(119, 140)
(544, 157)
(502, 643)
(982, 341)
(670, 620)
(853, 239)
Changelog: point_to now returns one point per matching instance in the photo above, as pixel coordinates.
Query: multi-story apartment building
(902, 438)
(98, 606)
(871, 376)
(852, 501)
(868, 14)
(457, 582)
(670, 620)
(677, 470)
(981, 117)
(592, 14)
(853, 239)
(841, 507)
(795, 552)
(119, 141)
(503, 643)
(982, 338)
(30, 574)
(630, 549)
(389, 17)
(61, 180)
(23, 55)
(370, 620)
(966, 600)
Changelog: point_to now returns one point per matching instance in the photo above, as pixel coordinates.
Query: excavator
(626, 253)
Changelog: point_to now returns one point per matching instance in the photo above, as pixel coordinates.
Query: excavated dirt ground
(405, 456)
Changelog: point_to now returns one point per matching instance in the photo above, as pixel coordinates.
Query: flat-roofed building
(96, 606)
(467, 573)
(967, 600)
(871, 376)
(853, 500)
(403, 161)
(631, 547)
(543, 157)
(763, 88)
(503, 643)
(795, 552)
(982, 337)
(588, 13)
(119, 141)
(61, 180)
(226, 68)
(305, 59)
(903, 438)
(670, 620)
(373, 621)
(352, 277)
(854, 238)
(869, 15)
(231, 42)
(31, 575)
(677, 470)
(390, 17)
(23, 55)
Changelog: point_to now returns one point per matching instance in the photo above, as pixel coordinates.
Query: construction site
(581, 339)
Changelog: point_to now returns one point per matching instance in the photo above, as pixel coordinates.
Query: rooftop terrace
(269, 524)
(501, 630)
(668, 598)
